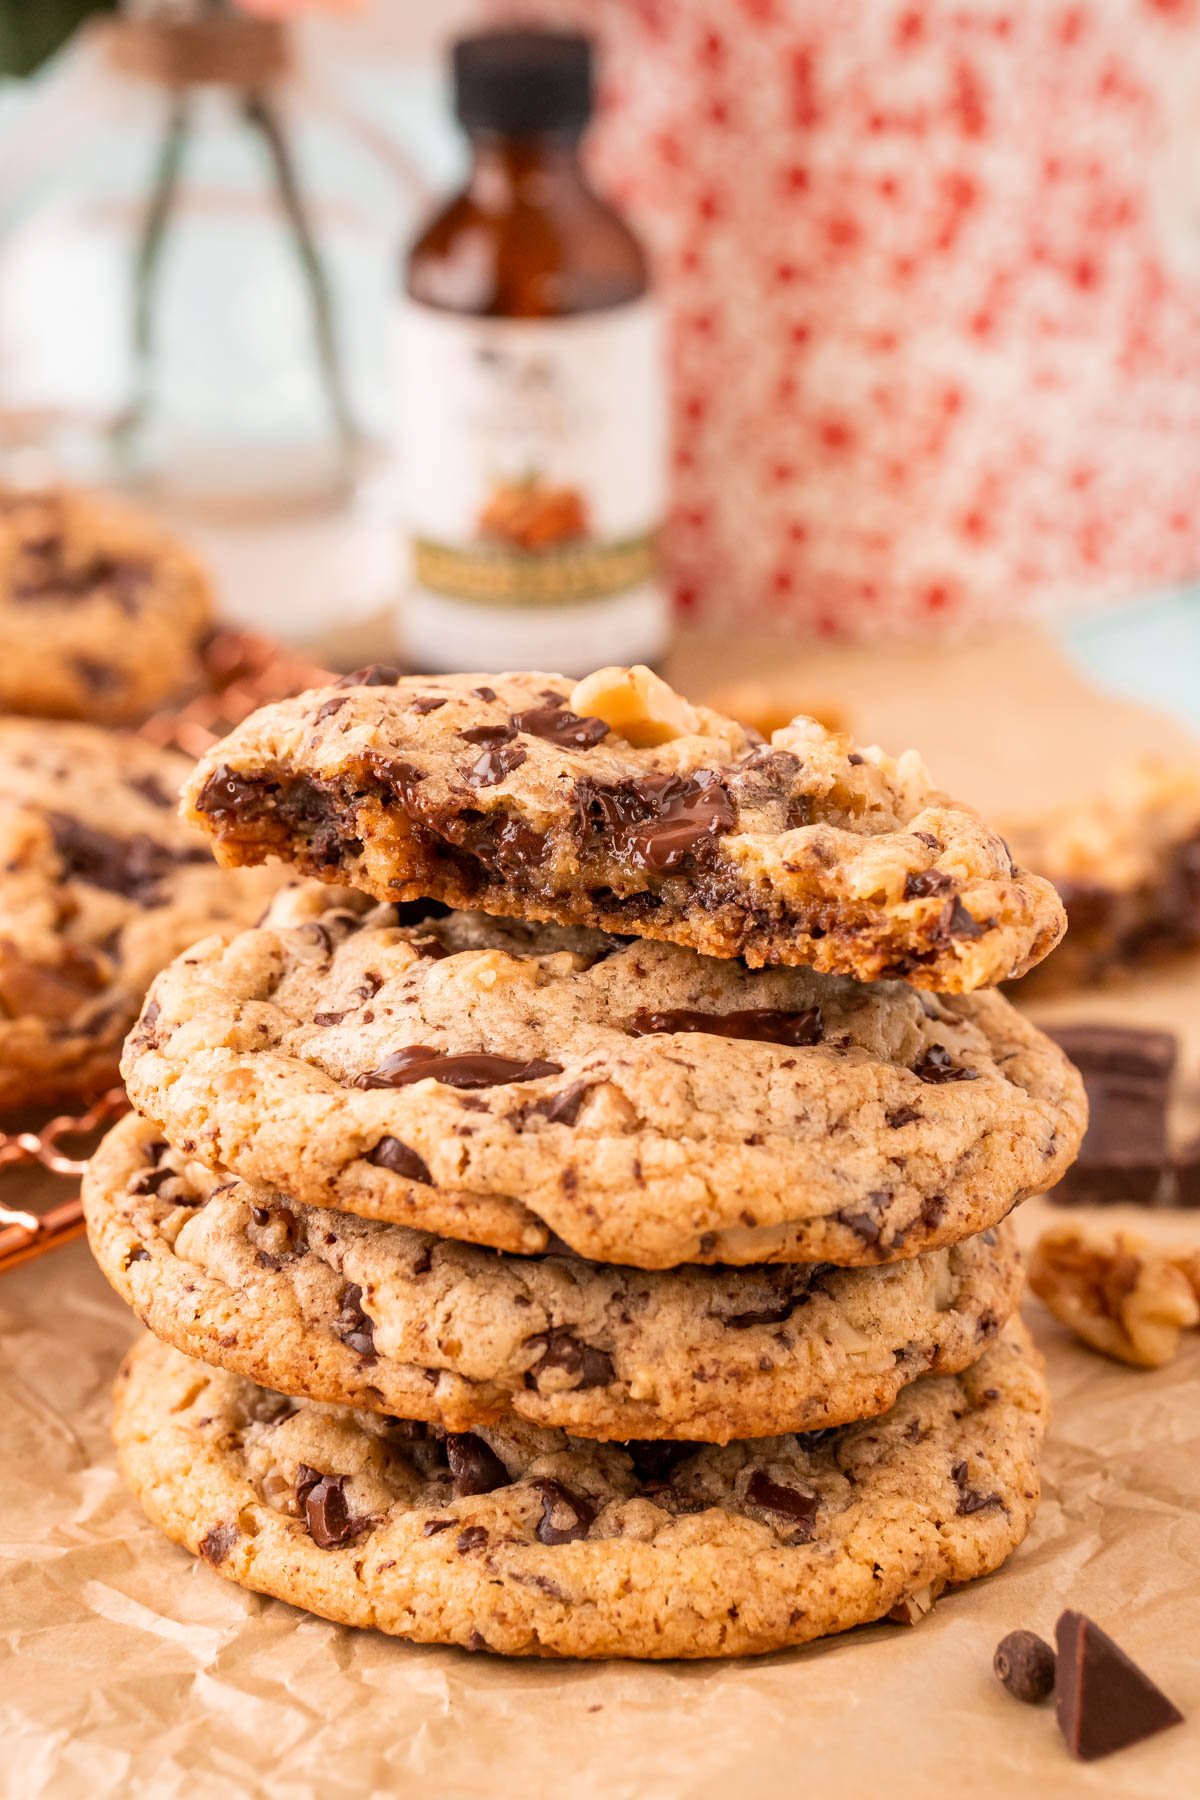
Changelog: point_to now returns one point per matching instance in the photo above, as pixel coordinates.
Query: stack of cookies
(581, 1230)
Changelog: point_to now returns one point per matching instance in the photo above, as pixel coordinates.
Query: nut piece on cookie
(1119, 1295)
(613, 802)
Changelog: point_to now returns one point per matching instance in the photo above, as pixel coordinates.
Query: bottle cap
(523, 81)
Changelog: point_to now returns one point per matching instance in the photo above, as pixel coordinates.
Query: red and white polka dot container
(933, 272)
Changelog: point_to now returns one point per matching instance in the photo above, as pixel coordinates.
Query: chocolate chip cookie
(616, 804)
(1127, 865)
(528, 1542)
(102, 612)
(503, 1082)
(331, 1307)
(101, 883)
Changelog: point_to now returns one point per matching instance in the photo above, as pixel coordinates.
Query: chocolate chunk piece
(134, 867)
(391, 1153)
(658, 821)
(491, 735)
(474, 1465)
(1103, 1700)
(494, 765)
(1127, 1074)
(560, 1349)
(353, 1325)
(800, 1509)
(560, 726)
(322, 1499)
(419, 1062)
(216, 1543)
(764, 1024)
(927, 881)
(937, 1066)
(1187, 1174)
(1024, 1664)
(971, 1499)
(565, 1514)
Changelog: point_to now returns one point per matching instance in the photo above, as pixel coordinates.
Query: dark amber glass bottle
(531, 402)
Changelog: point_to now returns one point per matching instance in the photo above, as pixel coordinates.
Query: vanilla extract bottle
(531, 390)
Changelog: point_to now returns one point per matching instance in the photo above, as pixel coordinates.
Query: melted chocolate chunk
(216, 1543)
(590, 1366)
(391, 1153)
(151, 788)
(322, 1499)
(767, 1025)
(373, 675)
(1103, 1700)
(43, 573)
(329, 707)
(864, 1225)
(925, 882)
(474, 1465)
(484, 693)
(559, 726)
(793, 1504)
(562, 1108)
(473, 1538)
(657, 821)
(654, 1460)
(227, 792)
(491, 735)
(565, 1515)
(353, 1325)
(420, 1062)
(971, 1499)
(494, 765)
(961, 924)
(134, 867)
(784, 1308)
(901, 1115)
(937, 1066)
(426, 703)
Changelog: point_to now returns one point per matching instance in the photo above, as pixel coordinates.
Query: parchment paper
(128, 1669)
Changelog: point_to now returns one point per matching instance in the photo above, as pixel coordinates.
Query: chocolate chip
(971, 1499)
(789, 1502)
(432, 1527)
(768, 1025)
(1103, 1700)
(562, 1108)
(557, 726)
(426, 703)
(566, 1516)
(925, 882)
(374, 675)
(352, 1324)
(418, 1062)
(261, 1215)
(473, 1538)
(484, 693)
(134, 867)
(801, 1282)
(137, 1255)
(322, 1499)
(562, 1350)
(152, 1181)
(937, 1066)
(490, 735)
(655, 1459)
(474, 1465)
(390, 1153)
(217, 1542)
(152, 789)
(494, 765)
(329, 708)
(902, 1115)
(657, 821)
(864, 1225)
(1024, 1664)
(961, 924)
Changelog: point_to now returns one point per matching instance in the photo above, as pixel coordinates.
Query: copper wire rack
(244, 671)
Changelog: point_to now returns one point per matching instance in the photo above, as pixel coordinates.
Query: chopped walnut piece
(636, 703)
(1117, 1292)
(912, 1608)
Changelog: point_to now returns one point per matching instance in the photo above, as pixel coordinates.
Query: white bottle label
(532, 468)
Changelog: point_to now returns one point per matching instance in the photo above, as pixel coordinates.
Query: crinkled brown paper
(129, 1669)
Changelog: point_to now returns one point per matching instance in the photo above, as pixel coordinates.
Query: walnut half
(1118, 1293)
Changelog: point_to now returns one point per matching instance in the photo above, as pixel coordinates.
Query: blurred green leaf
(32, 30)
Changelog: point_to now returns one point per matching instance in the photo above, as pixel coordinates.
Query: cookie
(500, 1082)
(616, 804)
(101, 884)
(1127, 865)
(102, 612)
(332, 1307)
(531, 1543)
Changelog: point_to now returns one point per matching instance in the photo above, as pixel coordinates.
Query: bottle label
(533, 456)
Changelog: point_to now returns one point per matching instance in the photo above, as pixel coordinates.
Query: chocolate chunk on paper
(1104, 1701)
